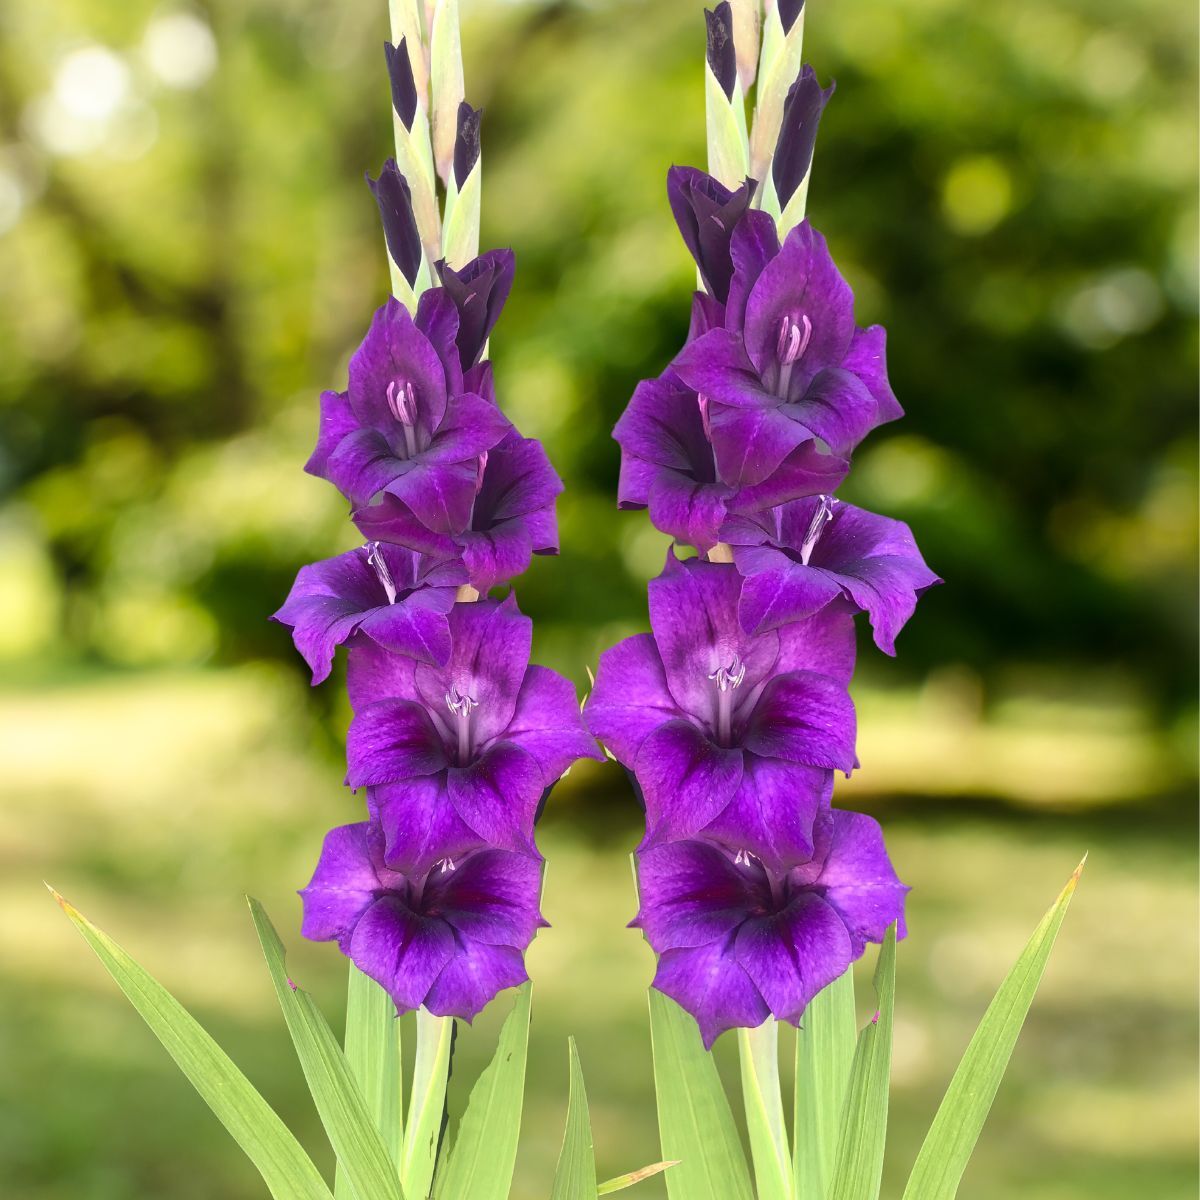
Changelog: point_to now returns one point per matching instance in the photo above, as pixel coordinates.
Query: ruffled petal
(497, 796)
(473, 977)
(403, 952)
(392, 740)
(711, 984)
(343, 885)
(548, 725)
(804, 718)
(630, 698)
(421, 828)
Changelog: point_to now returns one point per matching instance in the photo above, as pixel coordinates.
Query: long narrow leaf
(859, 1162)
(356, 1141)
(695, 1125)
(575, 1176)
(759, 1050)
(481, 1165)
(951, 1139)
(824, 1054)
(621, 1182)
(373, 1052)
(282, 1162)
(431, 1072)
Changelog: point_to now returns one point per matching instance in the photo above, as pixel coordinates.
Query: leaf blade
(575, 1175)
(352, 1133)
(960, 1117)
(621, 1182)
(431, 1073)
(280, 1159)
(485, 1151)
(694, 1119)
(759, 1055)
(859, 1163)
(824, 1055)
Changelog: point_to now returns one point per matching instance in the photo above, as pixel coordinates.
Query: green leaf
(621, 1182)
(356, 1141)
(824, 1053)
(859, 1161)
(373, 1053)
(695, 1125)
(763, 1100)
(951, 1139)
(282, 1162)
(431, 1071)
(481, 1165)
(575, 1176)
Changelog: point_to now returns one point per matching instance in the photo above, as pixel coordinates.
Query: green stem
(427, 1104)
(759, 1050)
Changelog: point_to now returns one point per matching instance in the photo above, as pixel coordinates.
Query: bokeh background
(188, 255)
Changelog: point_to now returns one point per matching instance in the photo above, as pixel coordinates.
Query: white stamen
(727, 678)
(820, 518)
(460, 705)
(402, 401)
(376, 560)
(447, 864)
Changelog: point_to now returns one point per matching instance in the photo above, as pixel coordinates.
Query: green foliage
(759, 1049)
(695, 1124)
(286, 1169)
(944, 1155)
(431, 1073)
(348, 1122)
(575, 1176)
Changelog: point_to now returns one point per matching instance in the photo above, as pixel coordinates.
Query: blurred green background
(188, 255)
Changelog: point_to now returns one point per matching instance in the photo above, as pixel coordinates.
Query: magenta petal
(490, 896)
(715, 365)
(690, 894)
(437, 318)
(391, 740)
(473, 977)
(374, 673)
(806, 471)
(403, 952)
(470, 427)
(823, 643)
(686, 779)
(337, 422)
(838, 408)
(548, 725)
(751, 444)
(363, 465)
(755, 243)
(709, 983)
(804, 718)
(343, 885)
(412, 629)
(630, 698)
(778, 590)
(497, 796)
(866, 358)
(792, 955)
(495, 557)
(420, 826)
(773, 811)
(391, 520)
(858, 880)
(440, 495)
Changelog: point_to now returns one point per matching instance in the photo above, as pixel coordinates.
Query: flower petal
(363, 465)
(403, 952)
(343, 885)
(804, 718)
(374, 674)
(490, 896)
(337, 422)
(392, 740)
(421, 828)
(439, 495)
(473, 977)
(497, 796)
(709, 983)
(548, 725)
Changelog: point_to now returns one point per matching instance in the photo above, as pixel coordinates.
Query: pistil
(376, 560)
(727, 679)
(461, 707)
(792, 342)
(820, 518)
(402, 402)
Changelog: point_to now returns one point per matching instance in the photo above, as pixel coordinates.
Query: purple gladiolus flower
(668, 465)
(739, 942)
(479, 292)
(459, 756)
(802, 109)
(406, 427)
(393, 596)
(512, 517)
(802, 556)
(706, 212)
(789, 367)
(394, 197)
(732, 736)
(448, 938)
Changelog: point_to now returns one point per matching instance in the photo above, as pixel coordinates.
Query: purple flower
(789, 366)
(393, 596)
(448, 938)
(406, 427)
(706, 212)
(800, 557)
(802, 109)
(511, 520)
(459, 756)
(732, 736)
(668, 466)
(739, 942)
(479, 291)
(392, 194)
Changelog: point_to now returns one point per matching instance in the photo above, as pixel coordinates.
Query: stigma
(460, 705)
(375, 559)
(727, 678)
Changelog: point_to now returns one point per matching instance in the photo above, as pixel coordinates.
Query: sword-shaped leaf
(575, 1176)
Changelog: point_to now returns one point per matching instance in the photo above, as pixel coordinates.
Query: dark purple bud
(722, 58)
(479, 291)
(706, 212)
(404, 87)
(789, 10)
(399, 225)
(802, 110)
(466, 143)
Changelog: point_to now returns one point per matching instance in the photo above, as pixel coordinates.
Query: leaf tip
(62, 903)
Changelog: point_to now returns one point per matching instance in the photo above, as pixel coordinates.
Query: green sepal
(446, 89)
(778, 65)
(725, 120)
(460, 230)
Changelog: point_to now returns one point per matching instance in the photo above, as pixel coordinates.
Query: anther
(376, 560)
